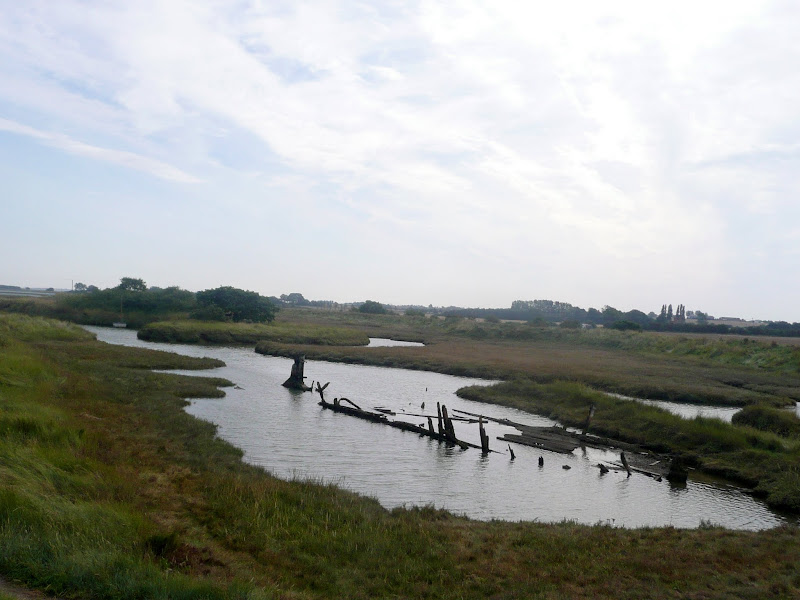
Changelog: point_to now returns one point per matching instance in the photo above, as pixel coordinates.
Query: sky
(620, 153)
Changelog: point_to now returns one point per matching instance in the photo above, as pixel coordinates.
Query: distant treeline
(136, 304)
(549, 311)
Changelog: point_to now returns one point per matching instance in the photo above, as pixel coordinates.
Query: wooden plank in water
(555, 444)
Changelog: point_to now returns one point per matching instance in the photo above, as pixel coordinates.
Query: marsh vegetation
(111, 490)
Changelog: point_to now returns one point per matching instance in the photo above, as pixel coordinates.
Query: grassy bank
(204, 332)
(110, 490)
(637, 374)
(779, 355)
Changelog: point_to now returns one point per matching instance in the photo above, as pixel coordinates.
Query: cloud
(118, 157)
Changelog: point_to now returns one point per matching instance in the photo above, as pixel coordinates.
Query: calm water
(377, 342)
(290, 435)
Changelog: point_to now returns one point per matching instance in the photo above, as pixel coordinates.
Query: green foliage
(625, 326)
(239, 305)
(372, 308)
(131, 284)
(570, 324)
(208, 313)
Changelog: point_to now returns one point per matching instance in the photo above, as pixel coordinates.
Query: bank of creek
(291, 436)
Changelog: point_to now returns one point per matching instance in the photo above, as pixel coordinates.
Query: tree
(132, 285)
(372, 307)
(294, 298)
(238, 305)
(702, 318)
(92, 288)
(680, 314)
(669, 314)
(80, 287)
(611, 315)
(662, 318)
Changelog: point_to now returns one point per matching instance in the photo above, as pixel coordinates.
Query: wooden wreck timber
(296, 379)
(446, 434)
(563, 441)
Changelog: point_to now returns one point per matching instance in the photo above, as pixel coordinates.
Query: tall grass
(205, 332)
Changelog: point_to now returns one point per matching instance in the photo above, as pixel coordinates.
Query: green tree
(294, 298)
(372, 307)
(132, 285)
(611, 315)
(80, 287)
(238, 305)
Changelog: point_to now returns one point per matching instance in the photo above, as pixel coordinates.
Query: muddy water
(290, 435)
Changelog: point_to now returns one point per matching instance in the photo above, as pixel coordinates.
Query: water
(378, 342)
(688, 411)
(290, 435)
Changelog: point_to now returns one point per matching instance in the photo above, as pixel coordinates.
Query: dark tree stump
(295, 381)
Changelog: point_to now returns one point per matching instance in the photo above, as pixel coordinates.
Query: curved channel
(291, 436)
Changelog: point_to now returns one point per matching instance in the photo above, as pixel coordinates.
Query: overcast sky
(616, 153)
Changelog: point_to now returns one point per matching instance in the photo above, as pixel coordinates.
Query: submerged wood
(549, 438)
(377, 417)
(559, 439)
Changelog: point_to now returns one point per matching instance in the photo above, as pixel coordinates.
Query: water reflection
(288, 434)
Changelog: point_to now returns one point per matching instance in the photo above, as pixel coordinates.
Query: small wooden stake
(484, 437)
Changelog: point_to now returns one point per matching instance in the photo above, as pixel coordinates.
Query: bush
(626, 326)
(373, 308)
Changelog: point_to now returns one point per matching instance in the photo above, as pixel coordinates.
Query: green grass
(204, 332)
(108, 489)
(765, 418)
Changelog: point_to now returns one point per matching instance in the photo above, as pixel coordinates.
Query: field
(110, 490)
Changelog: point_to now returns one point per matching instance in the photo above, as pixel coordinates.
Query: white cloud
(118, 157)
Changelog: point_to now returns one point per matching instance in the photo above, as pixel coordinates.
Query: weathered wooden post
(448, 424)
(484, 437)
(295, 381)
(624, 462)
(430, 426)
(321, 390)
(439, 414)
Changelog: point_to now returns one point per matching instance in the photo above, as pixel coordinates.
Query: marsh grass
(108, 489)
(204, 332)
(656, 377)
(765, 418)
